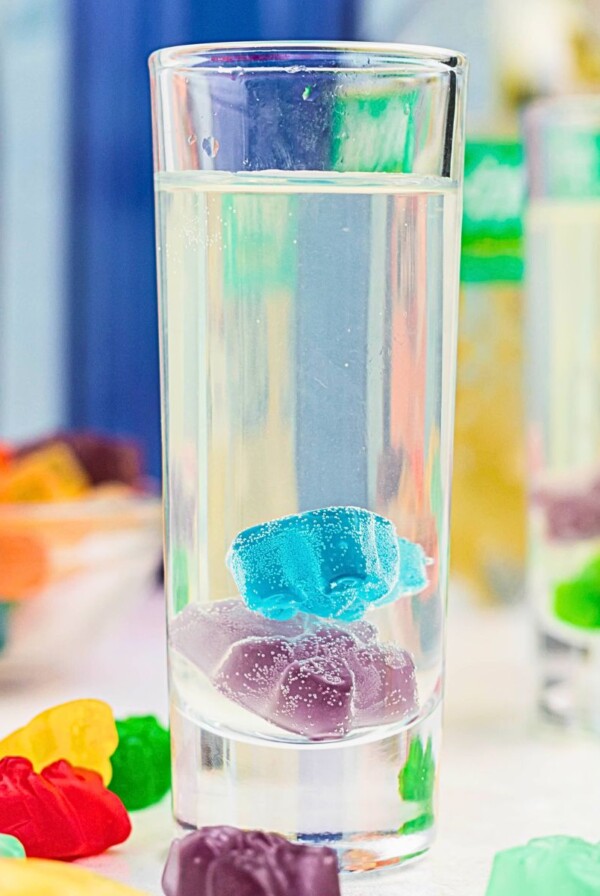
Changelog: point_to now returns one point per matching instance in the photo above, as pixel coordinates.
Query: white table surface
(502, 780)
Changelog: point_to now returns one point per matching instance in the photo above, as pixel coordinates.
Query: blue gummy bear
(334, 563)
(413, 568)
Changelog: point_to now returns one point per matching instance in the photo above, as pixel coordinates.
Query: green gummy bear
(416, 782)
(417, 777)
(577, 601)
(141, 763)
(10, 847)
(548, 866)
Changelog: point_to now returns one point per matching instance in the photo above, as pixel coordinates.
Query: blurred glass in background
(488, 510)
(563, 383)
(519, 49)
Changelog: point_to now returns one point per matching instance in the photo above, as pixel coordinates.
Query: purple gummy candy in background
(104, 458)
(224, 861)
(318, 681)
(574, 514)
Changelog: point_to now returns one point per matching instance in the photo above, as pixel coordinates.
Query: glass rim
(391, 58)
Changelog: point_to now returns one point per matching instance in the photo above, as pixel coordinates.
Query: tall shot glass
(308, 221)
(563, 359)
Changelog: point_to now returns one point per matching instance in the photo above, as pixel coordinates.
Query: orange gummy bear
(24, 565)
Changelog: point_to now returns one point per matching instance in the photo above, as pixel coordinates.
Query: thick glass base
(569, 679)
(372, 801)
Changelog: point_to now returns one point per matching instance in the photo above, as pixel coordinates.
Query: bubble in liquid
(192, 139)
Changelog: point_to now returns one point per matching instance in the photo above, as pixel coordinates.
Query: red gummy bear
(62, 813)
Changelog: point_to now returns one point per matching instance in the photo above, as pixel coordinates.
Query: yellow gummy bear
(83, 732)
(52, 473)
(44, 877)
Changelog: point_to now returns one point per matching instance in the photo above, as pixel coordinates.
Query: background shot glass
(308, 209)
(563, 351)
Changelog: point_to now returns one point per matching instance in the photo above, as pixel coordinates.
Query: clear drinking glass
(308, 208)
(563, 357)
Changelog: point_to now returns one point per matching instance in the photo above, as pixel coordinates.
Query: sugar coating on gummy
(221, 861)
(315, 679)
(547, 866)
(335, 563)
(205, 633)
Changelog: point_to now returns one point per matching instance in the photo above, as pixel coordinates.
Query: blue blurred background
(78, 332)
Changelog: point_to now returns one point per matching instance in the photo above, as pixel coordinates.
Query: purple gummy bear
(316, 681)
(314, 698)
(385, 686)
(571, 515)
(225, 861)
(204, 635)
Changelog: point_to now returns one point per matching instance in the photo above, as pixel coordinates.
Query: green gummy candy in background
(577, 601)
(10, 847)
(548, 866)
(141, 763)
(417, 777)
(416, 783)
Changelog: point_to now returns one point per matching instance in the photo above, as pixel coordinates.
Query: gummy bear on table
(11, 847)
(221, 861)
(60, 813)
(547, 866)
(80, 731)
(141, 765)
(42, 876)
(334, 562)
